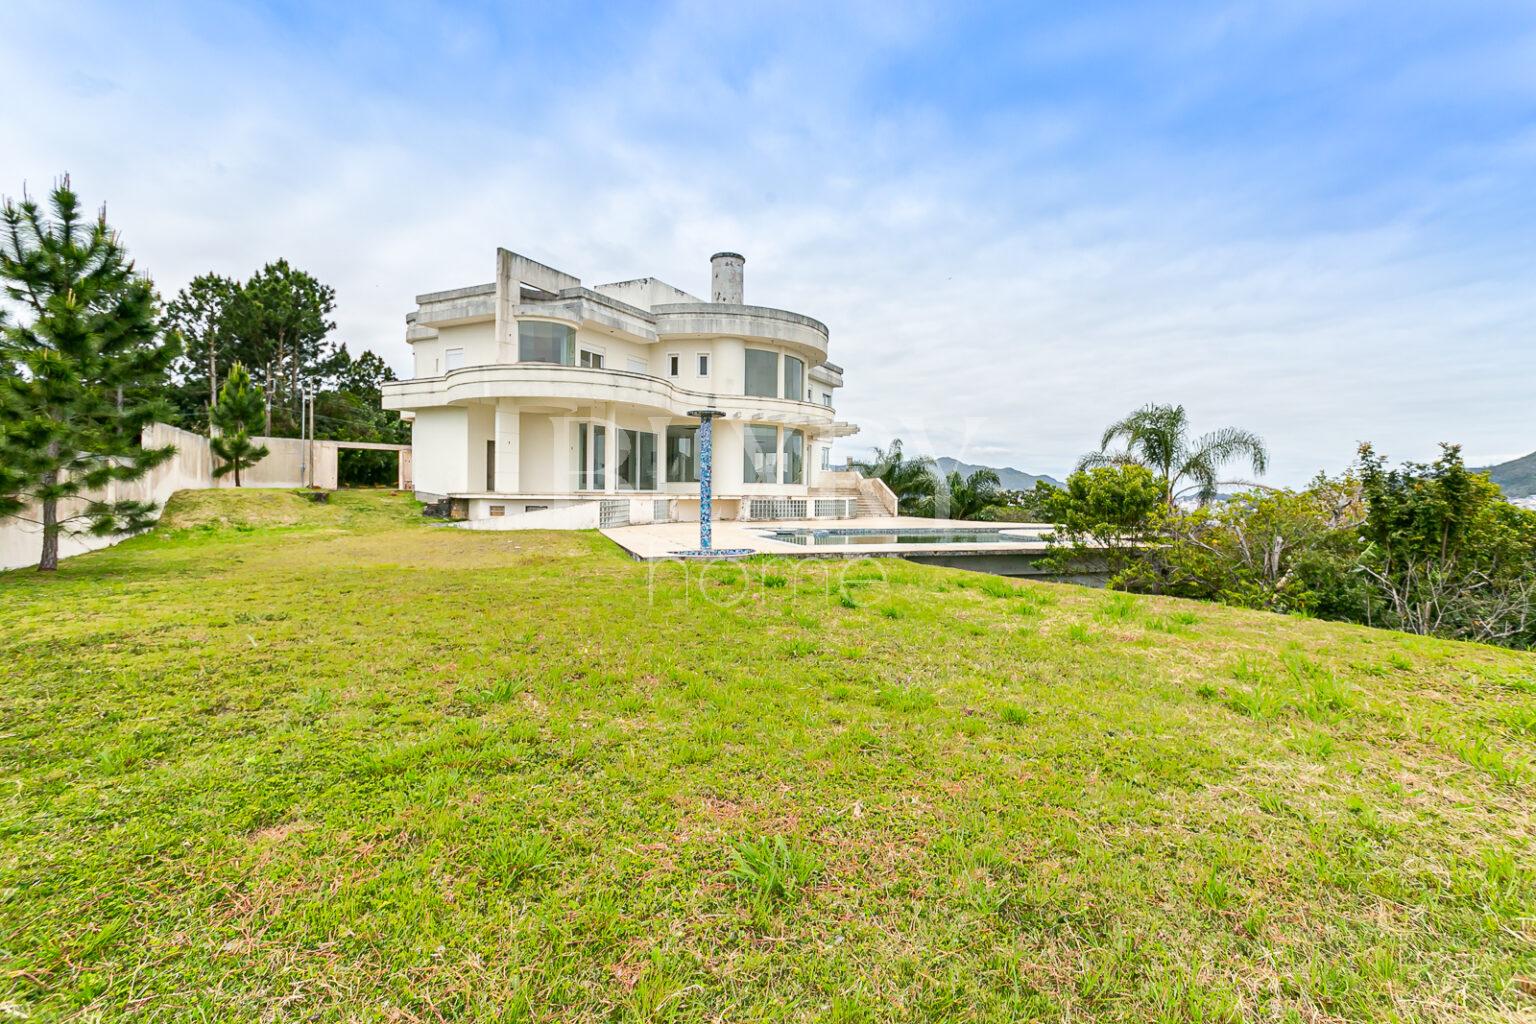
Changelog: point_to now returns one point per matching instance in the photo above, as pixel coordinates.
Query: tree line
(89, 357)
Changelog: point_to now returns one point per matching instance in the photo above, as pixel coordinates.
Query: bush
(1426, 548)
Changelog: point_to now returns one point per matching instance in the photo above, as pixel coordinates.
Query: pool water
(849, 537)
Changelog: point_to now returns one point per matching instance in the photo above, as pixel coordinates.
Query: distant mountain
(1011, 479)
(1517, 476)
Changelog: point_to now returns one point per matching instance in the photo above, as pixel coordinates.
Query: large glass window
(794, 456)
(682, 455)
(599, 457)
(760, 455)
(762, 373)
(624, 459)
(635, 460)
(541, 342)
(794, 377)
(581, 457)
(647, 461)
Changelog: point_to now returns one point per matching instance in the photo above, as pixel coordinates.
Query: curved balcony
(574, 386)
(755, 323)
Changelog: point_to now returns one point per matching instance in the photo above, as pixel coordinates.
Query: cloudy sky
(1316, 220)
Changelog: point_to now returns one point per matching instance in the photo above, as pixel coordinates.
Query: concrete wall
(482, 429)
(477, 340)
(191, 468)
(439, 434)
(575, 516)
(536, 454)
(616, 352)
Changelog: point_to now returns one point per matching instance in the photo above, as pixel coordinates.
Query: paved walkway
(662, 540)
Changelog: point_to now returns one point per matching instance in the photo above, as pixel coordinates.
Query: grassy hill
(1517, 477)
(287, 761)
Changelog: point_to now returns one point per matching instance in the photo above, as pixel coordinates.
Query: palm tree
(911, 480)
(1157, 437)
(966, 497)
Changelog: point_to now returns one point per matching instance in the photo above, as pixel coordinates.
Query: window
(498, 510)
(826, 399)
(635, 464)
(453, 358)
(674, 364)
(540, 342)
(599, 457)
(703, 364)
(826, 458)
(794, 456)
(592, 360)
(647, 461)
(682, 455)
(794, 377)
(762, 373)
(760, 455)
(637, 365)
(581, 457)
(624, 459)
(490, 464)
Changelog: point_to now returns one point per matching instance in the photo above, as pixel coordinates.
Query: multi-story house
(534, 393)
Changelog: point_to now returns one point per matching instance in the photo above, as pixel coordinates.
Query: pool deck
(661, 541)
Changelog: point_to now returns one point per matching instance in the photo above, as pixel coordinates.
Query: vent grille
(778, 508)
(835, 508)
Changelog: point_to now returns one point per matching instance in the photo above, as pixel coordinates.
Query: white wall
(581, 515)
(440, 434)
(477, 340)
(616, 351)
(191, 468)
(537, 455)
(481, 427)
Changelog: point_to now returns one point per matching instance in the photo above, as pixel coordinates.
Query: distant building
(534, 393)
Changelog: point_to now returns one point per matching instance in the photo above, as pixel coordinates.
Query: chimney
(725, 277)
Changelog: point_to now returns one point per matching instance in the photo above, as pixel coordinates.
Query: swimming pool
(933, 537)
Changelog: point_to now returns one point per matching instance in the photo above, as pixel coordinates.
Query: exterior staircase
(870, 506)
(873, 499)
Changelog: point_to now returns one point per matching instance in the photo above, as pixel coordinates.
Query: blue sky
(1316, 220)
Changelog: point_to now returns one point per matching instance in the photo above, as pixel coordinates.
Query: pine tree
(284, 323)
(207, 315)
(82, 378)
(241, 405)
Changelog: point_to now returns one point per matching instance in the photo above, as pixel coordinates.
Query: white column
(508, 450)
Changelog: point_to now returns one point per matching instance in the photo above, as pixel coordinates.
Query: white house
(535, 394)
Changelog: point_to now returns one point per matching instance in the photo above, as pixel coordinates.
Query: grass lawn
(287, 761)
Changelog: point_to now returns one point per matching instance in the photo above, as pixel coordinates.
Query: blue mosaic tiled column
(706, 474)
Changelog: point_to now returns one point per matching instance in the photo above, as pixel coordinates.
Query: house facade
(534, 393)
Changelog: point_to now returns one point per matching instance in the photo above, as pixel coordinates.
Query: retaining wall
(191, 468)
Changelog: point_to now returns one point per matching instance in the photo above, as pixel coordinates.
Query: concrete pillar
(706, 475)
(508, 449)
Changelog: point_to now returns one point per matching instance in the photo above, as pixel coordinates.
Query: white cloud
(999, 284)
